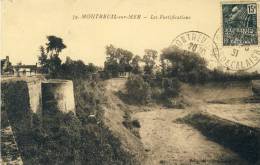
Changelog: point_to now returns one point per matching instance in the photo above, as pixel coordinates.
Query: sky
(26, 23)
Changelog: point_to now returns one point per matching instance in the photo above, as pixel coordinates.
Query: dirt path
(169, 142)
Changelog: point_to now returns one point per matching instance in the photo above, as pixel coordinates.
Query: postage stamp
(237, 58)
(199, 43)
(239, 23)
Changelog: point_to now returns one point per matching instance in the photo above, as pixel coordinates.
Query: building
(25, 70)
(6, 66)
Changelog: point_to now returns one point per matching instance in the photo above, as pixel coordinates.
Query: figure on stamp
(239, 24)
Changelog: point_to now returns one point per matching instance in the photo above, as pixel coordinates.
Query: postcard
(130, 82)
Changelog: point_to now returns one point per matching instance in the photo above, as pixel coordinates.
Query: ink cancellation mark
(239, 23)
(237, 58)
(199, 43)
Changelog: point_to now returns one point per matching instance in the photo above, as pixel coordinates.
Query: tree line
(119, 61)
(51, 64)
(173, 62)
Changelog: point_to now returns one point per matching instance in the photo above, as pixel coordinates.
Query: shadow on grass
(163, 101)
(243, 140)
(242, 100)
(130, 100)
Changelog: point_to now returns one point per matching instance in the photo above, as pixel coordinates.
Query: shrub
(192, 68)
(186, 66)
(171, 87)
(88, 96)
(138, 89)
(132, 125)
(136, 123)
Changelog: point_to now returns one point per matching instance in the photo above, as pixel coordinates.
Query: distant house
(6, 66)
(25, 70)
(124, 74)
(8, 69)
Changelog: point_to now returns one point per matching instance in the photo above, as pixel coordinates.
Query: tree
(43, 60)
(125, 57)
(49, 59)
(55, 45)
(74, 69)
(68, 60)
(138, 90)
(149, 60)
(171, 87)
(136, 69)
(185, 65)
(111, 63)
(163, 66)
(54, 66)
(91, 68)
(112, 54)
(117, 60)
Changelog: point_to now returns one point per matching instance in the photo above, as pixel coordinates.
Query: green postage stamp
(239, 23)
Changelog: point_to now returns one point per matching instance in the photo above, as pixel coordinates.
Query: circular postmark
(199, 43)
(236, 58)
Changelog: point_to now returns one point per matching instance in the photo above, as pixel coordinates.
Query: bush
(186, 66)
(88, 96)
(138, 89)
(171, 87)
(136, 123)
(192, 68)
(132, 125)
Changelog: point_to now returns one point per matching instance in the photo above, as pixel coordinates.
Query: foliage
(171, 87)
(92, 68)
(132, 124)
(136, 65)
(54, 66)
(186, 66)
(152, 89)
(190, 67)
(55, 45)
(57, 138)
(43, 60)
(239, 138)
(120, 60)
(49, 56)
(72, 69)
(88, 97)
(117, 60)
(149, 60)
(138, 89)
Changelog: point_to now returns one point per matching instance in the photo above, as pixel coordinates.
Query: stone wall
(55, 93)
(58, 95)
(21, 99)
(35, 96)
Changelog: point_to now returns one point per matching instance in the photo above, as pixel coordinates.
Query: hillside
(114, 113)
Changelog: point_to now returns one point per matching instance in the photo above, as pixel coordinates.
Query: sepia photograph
(130, 82)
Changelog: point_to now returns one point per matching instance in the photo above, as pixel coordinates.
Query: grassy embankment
(57, 138)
